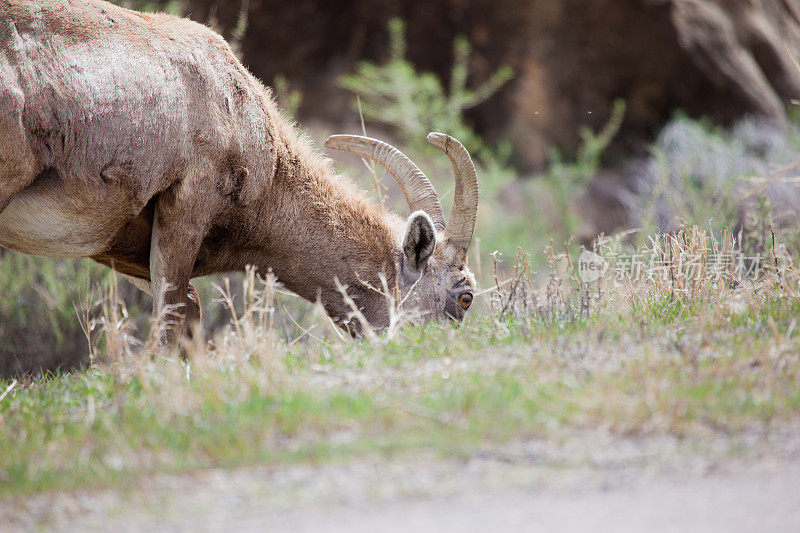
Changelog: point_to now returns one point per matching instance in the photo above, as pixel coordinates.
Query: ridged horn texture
(461, 225)
(417, 188)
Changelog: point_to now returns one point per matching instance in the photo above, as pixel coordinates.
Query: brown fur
(140, 141)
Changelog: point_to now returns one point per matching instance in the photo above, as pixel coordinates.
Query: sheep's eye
(465, 300)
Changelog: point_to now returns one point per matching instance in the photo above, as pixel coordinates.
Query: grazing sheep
(140, 141)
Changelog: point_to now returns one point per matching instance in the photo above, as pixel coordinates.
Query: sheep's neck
(323, 230)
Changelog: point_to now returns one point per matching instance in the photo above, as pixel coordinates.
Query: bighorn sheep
(140, 141)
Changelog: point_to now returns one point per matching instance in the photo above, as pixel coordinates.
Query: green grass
(437, 387)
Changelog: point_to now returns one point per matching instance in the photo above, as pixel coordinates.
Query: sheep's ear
(418, 243)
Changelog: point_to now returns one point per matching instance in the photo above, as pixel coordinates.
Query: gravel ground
(581, 483)
(755, 500)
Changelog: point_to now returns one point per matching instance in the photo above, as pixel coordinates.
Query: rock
(572, 58)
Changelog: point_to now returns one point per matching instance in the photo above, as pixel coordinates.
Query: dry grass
(686, 348)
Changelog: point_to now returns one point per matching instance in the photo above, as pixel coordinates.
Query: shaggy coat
(139, 140)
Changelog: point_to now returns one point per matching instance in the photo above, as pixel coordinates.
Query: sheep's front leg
(179, 226)
(194, 311)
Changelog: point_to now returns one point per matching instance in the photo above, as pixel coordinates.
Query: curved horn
(416, 186)
(465, 202)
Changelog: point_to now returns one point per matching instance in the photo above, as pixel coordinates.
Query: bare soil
(586, 482)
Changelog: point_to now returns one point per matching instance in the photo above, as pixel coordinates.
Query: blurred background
(585, 117)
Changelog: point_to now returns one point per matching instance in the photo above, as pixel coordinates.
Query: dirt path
(742, 502)
(621, 486)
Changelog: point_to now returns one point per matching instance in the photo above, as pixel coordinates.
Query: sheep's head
(431, 275)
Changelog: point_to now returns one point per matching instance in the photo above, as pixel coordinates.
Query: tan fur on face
(114, 122)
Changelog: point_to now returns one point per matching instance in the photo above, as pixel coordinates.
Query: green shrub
(417, 102)
(39, 326)
(567, 180)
